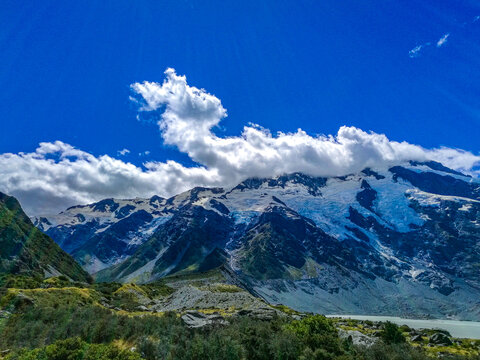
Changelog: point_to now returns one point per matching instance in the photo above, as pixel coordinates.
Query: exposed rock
(264, 313)
(417, 338)
(196, 319)
(187, 297)
(356, 337)
(440, 339)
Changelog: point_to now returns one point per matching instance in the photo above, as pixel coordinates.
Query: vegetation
(55, 319)
(391, 334)
(26, 250)
(260, 257)
(75, 349)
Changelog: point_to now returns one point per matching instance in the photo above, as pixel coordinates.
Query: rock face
(403, 240)
(26, 250)
(104, 233)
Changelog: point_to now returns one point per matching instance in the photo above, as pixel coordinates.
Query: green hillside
(26, 250)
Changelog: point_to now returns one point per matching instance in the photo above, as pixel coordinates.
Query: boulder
(261, 313)
(441, 339)
(417, 338)
(356, 337)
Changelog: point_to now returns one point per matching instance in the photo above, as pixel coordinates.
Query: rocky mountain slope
(26, 250)
(104, 233)
(402, 240)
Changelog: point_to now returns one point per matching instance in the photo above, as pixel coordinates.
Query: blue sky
(66, 68)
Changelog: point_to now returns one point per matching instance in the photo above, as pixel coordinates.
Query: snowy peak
(104, 212)
(298, 238)
(106, 232)
(433, 165)
(438, 182)
(313, 184)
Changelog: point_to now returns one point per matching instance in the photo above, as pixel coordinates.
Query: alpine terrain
(403, 240)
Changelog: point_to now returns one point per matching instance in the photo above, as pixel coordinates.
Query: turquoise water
(459, 329)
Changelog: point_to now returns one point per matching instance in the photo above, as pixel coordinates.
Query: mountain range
(402, 240)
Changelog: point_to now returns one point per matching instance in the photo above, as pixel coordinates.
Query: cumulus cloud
(190, 114)
(442, 40)
(58, 175)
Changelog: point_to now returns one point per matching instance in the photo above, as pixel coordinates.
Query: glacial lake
(459, 329)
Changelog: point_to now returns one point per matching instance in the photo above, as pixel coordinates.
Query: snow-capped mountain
(102, 234)
(401, 240)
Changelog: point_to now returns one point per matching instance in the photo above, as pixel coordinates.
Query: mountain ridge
(26, 250)
(319, 244)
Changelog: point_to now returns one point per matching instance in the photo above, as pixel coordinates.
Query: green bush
(392, 334)
(318, 333)
(382, 351)
(36, 326)
(75, 349)
(19, 281)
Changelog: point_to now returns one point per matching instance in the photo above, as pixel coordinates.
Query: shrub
(382, 351)
(317, 332)
(392, 334)
(75, 349)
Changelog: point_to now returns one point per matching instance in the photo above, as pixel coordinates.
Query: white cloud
(123, 152)
(145, 153)
(442, 40)
(57, 175)
(190, 114)
(415, 52)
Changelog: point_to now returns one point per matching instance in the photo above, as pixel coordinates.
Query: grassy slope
(25, 249)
